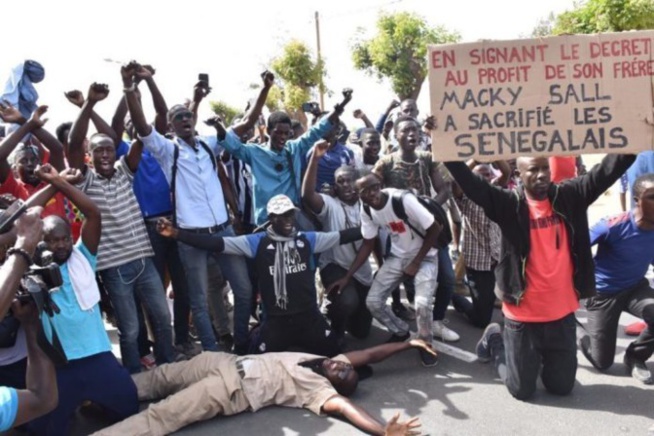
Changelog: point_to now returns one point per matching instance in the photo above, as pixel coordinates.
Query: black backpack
(444, 237)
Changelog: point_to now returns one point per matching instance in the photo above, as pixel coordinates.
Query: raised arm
(97, 92)
(77, 98)
(442, 188)
(127, 73)
(382, 119)
(253, 114)
(200, 90)
(505, 173)
(11, 115)
(134, 154)
(118, 120)
(309, 195)
(64, 182)
(360, 115)
(146, 73)
(601, 177)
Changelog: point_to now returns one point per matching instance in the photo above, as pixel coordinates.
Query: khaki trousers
(196, 390)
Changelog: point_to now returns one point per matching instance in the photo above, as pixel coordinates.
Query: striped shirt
(481, 237)
(124, 237)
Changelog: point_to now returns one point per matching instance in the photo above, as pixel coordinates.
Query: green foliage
(399, 51)
(299, 74)
(224, 110)
(595, 16)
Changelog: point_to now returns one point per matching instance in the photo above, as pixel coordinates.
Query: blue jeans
(446, 282)
(139, 277)
(166, 256)
(235, 271)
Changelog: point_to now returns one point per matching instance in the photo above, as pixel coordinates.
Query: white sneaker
(444, 333)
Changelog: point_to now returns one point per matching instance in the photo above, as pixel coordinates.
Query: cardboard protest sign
(561, 95)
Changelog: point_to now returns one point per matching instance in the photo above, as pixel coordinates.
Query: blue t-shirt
(81, 332)
(333, 159)
(8, 407)
(151, 188)
(624, 252)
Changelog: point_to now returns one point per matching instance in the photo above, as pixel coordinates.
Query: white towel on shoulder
(82, 278)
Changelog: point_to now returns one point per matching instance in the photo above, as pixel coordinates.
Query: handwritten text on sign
(552, 96)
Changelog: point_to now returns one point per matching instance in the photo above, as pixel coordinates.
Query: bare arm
(362, 256)
(359, 114)
(252, 116)
(505, 175)
(134, 105)
(97, 92)
(41, 395)
(64, 182)
(118, 120)
(146, 73)
(309, 195)
(134, 154)
(77, 98)
(10, 114)
(343, 407)
(443, 191)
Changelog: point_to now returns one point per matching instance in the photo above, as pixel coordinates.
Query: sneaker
(226, 342)
(638, 370)
(427, 358)
(398, 338)
(483, 349)
(148, 362)
(444, 333)
(189, 349)
(635, 328)
(402, 312)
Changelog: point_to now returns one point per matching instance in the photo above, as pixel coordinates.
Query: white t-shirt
(404, 241)
(334, 217)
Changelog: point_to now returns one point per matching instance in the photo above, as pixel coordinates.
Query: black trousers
(347, 310)
(308, 332)
(602, 326)
(547, 349)
(482, 290)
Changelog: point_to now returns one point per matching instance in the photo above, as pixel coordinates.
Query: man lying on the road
(216, 383)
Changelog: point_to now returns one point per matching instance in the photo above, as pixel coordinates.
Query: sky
(82, 41)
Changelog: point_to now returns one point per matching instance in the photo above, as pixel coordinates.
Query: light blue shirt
(81, 332)
(265, 162)
(198, 193)
(8, 407)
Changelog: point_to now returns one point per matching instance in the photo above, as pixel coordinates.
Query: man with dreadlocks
(285, 271)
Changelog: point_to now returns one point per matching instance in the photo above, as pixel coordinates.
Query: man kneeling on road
(224, 384)
(624, 253)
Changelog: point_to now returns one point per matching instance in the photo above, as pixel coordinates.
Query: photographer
(92, 372)
(20, 406)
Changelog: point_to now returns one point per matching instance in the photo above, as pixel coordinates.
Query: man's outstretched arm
(384, 351)
(342, 407)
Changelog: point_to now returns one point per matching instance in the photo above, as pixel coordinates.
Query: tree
(224, 110)
(595, 16)
(299, 75)
(399, 51)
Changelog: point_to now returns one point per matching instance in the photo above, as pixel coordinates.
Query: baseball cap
(279, 205)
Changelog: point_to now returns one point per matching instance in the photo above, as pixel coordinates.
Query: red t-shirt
(56, 205)
(550, 293)
(563, 168)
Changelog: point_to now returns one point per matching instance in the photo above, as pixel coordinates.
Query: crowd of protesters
(279, 239)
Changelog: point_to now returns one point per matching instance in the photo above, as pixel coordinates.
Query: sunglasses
(183, 116)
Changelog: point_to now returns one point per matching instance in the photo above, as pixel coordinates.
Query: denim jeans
(122, 282)
(235, 271)
(446, 282)
(548, 349)
(604, 312)
(166, 256)
(387, 278)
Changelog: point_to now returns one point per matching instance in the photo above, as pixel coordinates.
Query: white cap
(279, 205)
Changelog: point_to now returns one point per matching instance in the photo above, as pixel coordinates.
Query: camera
(310, 107)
